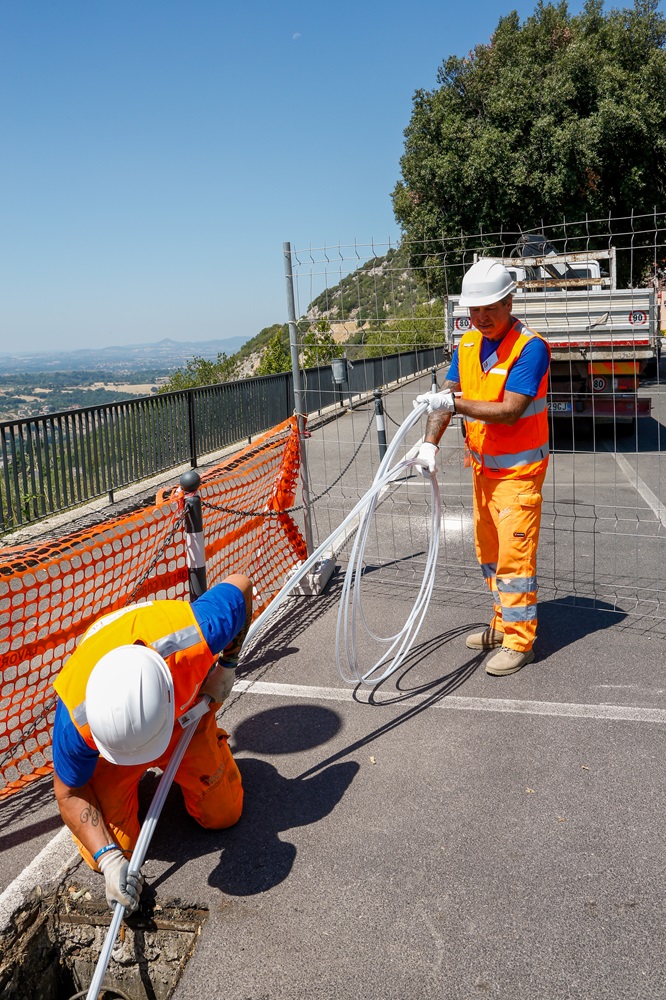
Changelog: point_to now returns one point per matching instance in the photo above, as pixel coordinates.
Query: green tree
(558, 116)
(319, 347)
(202, 371)
(275, 356)
(426, 328)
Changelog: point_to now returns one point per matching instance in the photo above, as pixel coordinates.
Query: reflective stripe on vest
(504, 450)
(515, 461)
(536, 406)
(183, 639)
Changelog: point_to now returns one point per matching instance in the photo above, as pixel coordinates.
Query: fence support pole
(379, 420)
(299, 405)
(192, 430)
(194, 538)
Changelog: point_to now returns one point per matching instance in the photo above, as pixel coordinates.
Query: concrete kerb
(45, 873)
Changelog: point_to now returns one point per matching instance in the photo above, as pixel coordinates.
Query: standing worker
(120, 694)
(499, 374)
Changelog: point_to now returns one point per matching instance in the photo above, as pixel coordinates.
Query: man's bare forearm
(438, 421)
(81, 814)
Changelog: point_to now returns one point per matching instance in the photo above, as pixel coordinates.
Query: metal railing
(57, 461)
(365, 374)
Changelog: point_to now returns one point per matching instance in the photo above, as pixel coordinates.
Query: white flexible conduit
(399, 644)
(351, 607)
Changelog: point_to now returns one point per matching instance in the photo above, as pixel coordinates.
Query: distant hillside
(165, 355)
(383, 287)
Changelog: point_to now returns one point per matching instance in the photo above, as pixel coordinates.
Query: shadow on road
(253, 857)
(563, 622)
(35, 799)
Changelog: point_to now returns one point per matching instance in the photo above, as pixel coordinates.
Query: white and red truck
(602, 337)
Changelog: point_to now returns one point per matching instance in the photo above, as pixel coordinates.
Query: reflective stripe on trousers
(507, 517)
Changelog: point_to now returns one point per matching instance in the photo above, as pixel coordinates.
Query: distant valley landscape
(38, 382)
(355, 308)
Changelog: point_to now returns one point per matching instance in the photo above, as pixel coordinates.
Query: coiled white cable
(351, 607)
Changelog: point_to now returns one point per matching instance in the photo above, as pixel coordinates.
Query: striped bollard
(379, 420)
(433, 376)
(194, 538)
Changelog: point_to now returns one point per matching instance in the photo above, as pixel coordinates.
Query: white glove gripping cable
(189, 723)
(401, 642)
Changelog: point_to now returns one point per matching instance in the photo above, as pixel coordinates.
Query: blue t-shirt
(220, 614)
(526, 372)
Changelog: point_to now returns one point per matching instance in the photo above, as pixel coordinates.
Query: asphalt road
(448, 834)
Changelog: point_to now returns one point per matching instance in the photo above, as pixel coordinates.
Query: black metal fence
(363, 375)
(59, 460)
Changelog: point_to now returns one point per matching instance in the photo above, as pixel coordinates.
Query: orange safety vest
(169, 627)
(502, 451)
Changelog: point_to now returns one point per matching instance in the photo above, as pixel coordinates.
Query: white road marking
(54, 860)
(643, 490)
(614, 713)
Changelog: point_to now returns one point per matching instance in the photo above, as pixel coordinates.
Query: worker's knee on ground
(214, 798)
(221, 804)
(219, 813)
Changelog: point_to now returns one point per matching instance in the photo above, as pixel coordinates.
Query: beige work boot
(488, 639)
(507, 661)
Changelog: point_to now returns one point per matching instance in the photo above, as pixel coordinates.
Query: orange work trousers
(208, 776)
(507, 517)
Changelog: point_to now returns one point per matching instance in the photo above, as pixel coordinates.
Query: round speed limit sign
(463, 323)
(637, 317)
(598, 383)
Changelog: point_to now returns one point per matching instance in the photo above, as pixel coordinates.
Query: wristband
(103, 850)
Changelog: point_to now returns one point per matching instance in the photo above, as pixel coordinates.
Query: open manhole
(57, 940)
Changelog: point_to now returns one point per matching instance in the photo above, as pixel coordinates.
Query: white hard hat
(130, 705)
(486, 282)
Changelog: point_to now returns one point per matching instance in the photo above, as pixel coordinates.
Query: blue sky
(155, 155)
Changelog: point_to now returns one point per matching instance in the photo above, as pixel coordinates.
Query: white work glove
(121, 887)
(427, 453)
(219, 681)
(437, 401)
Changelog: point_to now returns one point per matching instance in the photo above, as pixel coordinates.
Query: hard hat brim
(473, 301)
(149, 752)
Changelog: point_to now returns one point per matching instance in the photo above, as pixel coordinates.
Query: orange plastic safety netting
(50, 593)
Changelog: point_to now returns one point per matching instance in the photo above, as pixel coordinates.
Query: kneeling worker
(134, 673)
(501, 368)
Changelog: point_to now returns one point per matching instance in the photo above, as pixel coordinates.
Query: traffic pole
(379, 420)
(194, 537)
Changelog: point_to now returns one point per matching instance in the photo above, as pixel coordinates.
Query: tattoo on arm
(436, 425)
(438, 421)
(90, 815)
